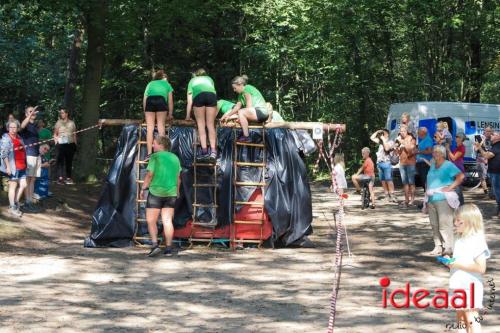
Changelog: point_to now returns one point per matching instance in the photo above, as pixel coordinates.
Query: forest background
(340, 61)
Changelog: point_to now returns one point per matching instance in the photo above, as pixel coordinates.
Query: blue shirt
(439, 177)
(423, 145)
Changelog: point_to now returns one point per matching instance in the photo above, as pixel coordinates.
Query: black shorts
(262, 114)
(160, 202)
(205, 99)
(156, 104)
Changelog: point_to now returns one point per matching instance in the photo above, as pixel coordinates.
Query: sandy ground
(50, 283)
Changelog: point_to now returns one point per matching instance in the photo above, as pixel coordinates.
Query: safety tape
(52, 139)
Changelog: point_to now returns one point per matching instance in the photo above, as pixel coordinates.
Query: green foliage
(342, 61)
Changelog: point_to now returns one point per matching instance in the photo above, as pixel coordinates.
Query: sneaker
(15, 212)
(155, 250)
(244, 139)
(372, 206)
(394, 198)
(36, 196)
(213, 156)
(202, 157)
(60, 181)
(169, 251)
(69, 181)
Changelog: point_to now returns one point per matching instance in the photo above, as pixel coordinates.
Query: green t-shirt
(165, 168)
(158, 88)
(257, 98)
(224, 106)
(200, 84)
(45, 134)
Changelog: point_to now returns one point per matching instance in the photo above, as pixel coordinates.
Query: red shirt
(459, 162)
(369, 167)
(20, 154)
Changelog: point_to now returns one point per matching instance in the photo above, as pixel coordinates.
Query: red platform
(242, 231)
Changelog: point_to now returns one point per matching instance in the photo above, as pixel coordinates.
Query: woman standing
(202, 98)
(158, 97)
(251, 105)
(13, 164)
(456, 156)
(384, 162)
(65, 138)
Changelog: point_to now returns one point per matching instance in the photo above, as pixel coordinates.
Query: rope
(52, 139)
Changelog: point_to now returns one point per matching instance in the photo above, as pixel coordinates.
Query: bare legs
(30, 189)
(16, 189)
(211, 113)
(199, 115)
(151, 117)
(167, 214)
(244, 116)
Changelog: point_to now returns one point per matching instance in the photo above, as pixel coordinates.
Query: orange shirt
(406, 158)
(369, 167)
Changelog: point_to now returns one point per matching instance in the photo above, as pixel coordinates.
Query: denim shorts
(384, 171)
(408, 174)
(19, 174)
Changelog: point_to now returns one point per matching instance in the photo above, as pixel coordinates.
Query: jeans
(407, 174)
(384, 171)
(495, 186)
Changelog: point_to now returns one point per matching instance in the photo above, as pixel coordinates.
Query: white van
(467, 118)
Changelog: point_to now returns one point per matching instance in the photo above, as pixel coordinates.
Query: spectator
(470, 253)
(410, 125)
(443, 177)
(381, 137)
(443, 133)
(493, 156)
(366, 172)
(29, 133)
(65, 138)
(456, 156)
(406, 147)
(42, 182)
(163, 182)
(481, 162)
(424, 153)
(339, 169)
(13, 164)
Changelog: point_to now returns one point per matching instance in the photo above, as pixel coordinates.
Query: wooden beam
(192, 123)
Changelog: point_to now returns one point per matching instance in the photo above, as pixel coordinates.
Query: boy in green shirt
(162, 180)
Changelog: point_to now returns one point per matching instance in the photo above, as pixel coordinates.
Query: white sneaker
(36, 196)
(15, 212)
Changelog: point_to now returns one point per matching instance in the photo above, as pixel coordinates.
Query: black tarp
(287, 196)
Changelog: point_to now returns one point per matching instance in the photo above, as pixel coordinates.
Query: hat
(462, 136)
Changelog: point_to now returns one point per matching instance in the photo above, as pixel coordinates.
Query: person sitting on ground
(406, 148)
(202, 98)
(66, 141)
(481, 162)
(424, 153)
(158, 98)
(443, 177)
(13, 164)
(381, 137)
(456, 156)
(251, 106)
(42, 182)
(366, 172)
(163, 182)
(493, 156)
(470, 252)
(410, 125)
(339, 169)
(29, 133)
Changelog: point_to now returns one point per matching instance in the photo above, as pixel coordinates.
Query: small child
(410, 125)
(42, 182)
(443, 133)
(339, 169)
(470, 253)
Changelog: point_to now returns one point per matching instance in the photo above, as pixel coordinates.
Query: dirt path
(49, 282)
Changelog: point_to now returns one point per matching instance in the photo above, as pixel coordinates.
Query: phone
(445, 261)
(478, 138)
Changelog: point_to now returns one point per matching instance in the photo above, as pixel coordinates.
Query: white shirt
(465, 251)
(382, 155)
(340, 176)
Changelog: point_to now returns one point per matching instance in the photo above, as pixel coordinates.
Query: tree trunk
(72, 76)
(474, 92)
(92, 86)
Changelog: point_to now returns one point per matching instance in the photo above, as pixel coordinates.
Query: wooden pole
(191, 123)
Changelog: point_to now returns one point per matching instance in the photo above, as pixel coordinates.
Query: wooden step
(249, 222)
(204, 185)
(139, 181)
(205, 205)
(251, 203)
(204, 164)
(248, 241)
(142, 142)
(140, 200)
(249, 184)
(250, 144)
(251, 164)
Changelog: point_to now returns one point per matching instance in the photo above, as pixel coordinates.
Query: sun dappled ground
(50, 283)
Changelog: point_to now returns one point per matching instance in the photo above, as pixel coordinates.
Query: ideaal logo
(441, 299)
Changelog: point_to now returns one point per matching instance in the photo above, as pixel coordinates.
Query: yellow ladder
(201, 226)
(260, 205)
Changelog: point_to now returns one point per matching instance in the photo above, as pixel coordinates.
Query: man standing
(407, 160)
(424, 152)
(481, 162)
(163, 181)
(366, 172)
(493, 157)
(29, 133)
